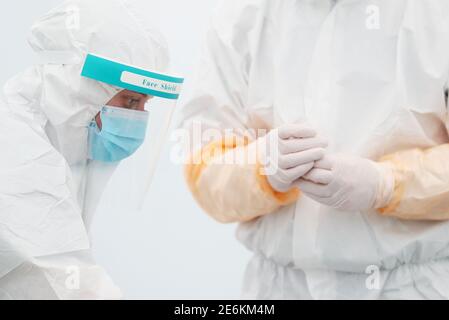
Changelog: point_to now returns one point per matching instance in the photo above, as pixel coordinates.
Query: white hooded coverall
(48, 189)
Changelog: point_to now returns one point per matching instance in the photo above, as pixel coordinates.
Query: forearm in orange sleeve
(421, 189)
(233, 192)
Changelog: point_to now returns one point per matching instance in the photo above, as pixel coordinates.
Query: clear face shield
(129, 134)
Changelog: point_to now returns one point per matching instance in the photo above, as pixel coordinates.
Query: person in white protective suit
(355, 92)
(49, 188)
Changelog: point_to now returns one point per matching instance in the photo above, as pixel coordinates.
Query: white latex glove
(349, 183)
(290, 152)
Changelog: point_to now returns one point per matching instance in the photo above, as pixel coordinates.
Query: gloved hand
(290, 152)
(349, 183)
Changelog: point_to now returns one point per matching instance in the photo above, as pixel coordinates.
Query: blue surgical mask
(123, 132)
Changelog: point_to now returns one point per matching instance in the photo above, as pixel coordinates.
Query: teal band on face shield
(131, 78)
(123, 132)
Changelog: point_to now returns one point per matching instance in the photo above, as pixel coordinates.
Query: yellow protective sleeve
(421, 189)
(233, 192)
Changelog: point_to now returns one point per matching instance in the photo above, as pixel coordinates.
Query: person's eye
(133, 103)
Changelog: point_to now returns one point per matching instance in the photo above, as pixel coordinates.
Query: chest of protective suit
(370, 75)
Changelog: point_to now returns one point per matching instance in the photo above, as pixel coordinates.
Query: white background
(172, 249)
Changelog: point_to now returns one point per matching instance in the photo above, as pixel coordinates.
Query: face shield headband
(132, 78)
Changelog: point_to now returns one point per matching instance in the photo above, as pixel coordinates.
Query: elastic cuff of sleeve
(282, 198)
(394, 181)
(386, 186)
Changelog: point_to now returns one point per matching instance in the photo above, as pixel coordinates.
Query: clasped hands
(296, 156)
